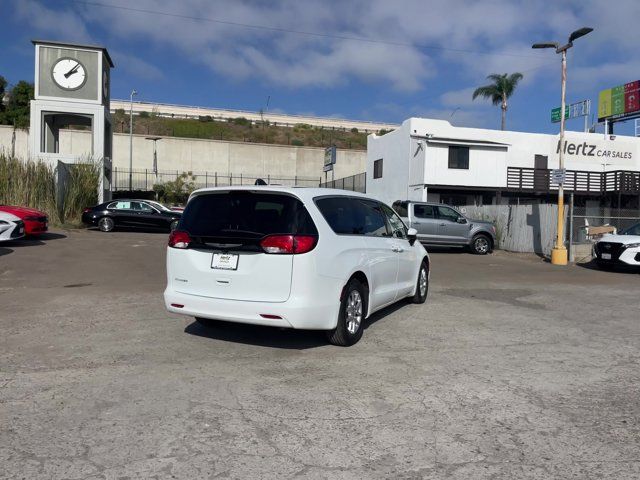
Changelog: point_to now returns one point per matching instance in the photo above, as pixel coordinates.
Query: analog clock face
(69, 73)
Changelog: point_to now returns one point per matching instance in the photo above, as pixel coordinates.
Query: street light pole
(559, 251)
(133, 92)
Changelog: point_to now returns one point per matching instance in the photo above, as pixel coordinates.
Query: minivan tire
(481, 245)
(422, 284)
(353, 310)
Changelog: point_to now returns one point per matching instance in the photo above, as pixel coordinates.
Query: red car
(35, 221)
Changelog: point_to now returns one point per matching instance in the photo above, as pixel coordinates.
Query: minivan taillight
(284, 244)
(179, 239)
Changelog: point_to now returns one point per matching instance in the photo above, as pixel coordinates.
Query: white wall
(14, 141)
(394, 150)
(197, 155)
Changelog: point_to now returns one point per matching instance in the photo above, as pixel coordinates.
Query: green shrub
(297, 142)
(144, 114)
(176, 191)
(242, 121)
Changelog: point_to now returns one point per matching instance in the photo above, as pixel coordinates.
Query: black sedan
(145, 214)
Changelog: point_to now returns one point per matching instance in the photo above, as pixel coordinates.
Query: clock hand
(72, 71)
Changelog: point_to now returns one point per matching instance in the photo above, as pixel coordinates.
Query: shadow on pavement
(443, 249)
(5, 251)
(258, 335)
(130, 229)
(273, 337)
(614, 268)
(35, 240)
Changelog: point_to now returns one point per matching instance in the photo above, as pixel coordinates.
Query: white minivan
(306, 258)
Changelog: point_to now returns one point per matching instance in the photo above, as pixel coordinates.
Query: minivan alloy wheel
(423, 282)
(354, 311)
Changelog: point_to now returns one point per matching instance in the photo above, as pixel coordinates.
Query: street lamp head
(545, 45)
(134, 92)
(581, 32)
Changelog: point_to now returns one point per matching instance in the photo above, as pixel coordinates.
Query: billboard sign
(329, 158)
(619, 102)
(579, 109)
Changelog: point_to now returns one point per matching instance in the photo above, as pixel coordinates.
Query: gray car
(439, 224)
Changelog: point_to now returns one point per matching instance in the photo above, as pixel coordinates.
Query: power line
(298, 32)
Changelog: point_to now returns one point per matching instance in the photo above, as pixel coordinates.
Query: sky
(376, 60)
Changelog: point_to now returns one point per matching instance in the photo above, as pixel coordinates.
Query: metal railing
(145, 179)
(354, 183)
(582, 181)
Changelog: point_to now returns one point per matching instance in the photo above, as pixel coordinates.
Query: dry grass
(33, 184)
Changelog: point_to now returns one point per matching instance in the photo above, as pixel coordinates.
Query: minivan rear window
(246, 215)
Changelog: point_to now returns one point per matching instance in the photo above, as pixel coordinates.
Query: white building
(432, 160)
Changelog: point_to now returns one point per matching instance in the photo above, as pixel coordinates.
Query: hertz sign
(619, 102)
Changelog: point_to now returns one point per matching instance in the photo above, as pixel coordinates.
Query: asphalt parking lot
(512, 369)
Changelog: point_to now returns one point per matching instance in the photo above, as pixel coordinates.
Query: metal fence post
(206, 179)
(146, 185)
(571, 253)
(216, 178)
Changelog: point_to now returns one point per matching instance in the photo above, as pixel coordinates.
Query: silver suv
(439, 224)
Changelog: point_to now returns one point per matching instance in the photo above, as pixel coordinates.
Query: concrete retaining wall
(186, 154)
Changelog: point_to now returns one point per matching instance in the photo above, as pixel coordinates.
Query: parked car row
(17, 222)
(131, 213)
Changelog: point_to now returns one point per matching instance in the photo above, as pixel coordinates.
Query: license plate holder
(225, 261)
(606, 256)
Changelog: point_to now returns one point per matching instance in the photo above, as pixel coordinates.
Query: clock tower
(72, 89)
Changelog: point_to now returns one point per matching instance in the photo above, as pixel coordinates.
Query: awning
(463, 142)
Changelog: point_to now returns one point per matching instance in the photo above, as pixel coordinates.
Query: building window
(377, 168)
(459, 157)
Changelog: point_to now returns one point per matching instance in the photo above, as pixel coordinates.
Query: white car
(621, 249)
(304, 258)
(11, 227)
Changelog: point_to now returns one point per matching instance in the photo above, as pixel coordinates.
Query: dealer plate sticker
(606, 256)
(225, 261)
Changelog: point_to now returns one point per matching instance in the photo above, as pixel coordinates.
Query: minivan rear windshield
(246, 215)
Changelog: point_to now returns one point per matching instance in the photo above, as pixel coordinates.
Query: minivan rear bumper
(297, 312)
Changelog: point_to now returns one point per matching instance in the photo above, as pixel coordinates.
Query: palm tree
(499, 91)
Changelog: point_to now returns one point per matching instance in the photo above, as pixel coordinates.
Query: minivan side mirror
(412, 235)
(462, 220)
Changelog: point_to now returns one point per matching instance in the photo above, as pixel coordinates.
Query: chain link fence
(590, 223)
(145, 179)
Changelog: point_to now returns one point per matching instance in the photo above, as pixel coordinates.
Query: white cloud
(472, 38)
(458, 98)
(136, 66)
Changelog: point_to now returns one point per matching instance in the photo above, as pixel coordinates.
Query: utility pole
(133, 92)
